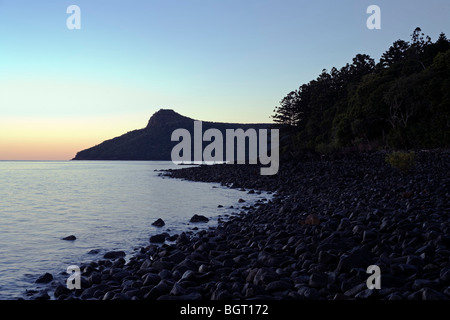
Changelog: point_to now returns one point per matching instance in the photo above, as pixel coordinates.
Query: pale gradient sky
(219, 60)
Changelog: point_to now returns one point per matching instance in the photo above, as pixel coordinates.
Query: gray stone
(326, 257)
(431, 294)
(135, 294)
(178, 290)
(356, 258)
(278, 285)
(425, 283)
(407, 269)
(356, 289)
(61, 291)
(158, 238)
(221, 294)
(318, 280)
(415, 295)
(43, 295)
(264, 276)
(188, 275)
(109, 295)
(160, 289)
(177, 257)
(270, 260)
(182, 238)
(45, 278)
(120, 275)
(151, 279)
(311, 294)
(120, 296)
(114, 254)
(394, 296)
(204, 268)
(415, 260)
(159, 223)
(341, 296)
(445, 275)
(165, 274)
(365, 294)
(198, 218)
(369, 235)
(94, 278)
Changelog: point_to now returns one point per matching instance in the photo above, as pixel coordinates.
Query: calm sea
(107, 205)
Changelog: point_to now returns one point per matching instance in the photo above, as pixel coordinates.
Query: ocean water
(107, 205)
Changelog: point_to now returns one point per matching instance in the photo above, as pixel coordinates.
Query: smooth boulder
(158, 238)
(114, 254)
(159, 223)
(198, 218)
(70, 238)
(45, 278)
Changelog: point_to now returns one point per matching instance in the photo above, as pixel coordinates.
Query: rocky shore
(329, 220)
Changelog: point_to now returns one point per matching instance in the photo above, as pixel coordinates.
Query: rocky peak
(165, 117)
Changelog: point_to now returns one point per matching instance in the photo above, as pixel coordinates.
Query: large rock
(366, 294)
(445, 275)
(45, 278)
(43, 295)
(95, 278)
(198, 218)
(160, 289)
(264, 276)
(158, 238)
(425, 283)
(326, 257)
(114, 254)
(278, 285)
(356, 258)
(120, 275)
(182, 238)
(61, 291)
(177, 257)
(151, 279)
(159, 223)
(70, 238)
(430, 294)
(356, 289)
(318, 280)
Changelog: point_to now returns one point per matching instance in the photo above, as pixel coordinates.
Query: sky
(63, 90)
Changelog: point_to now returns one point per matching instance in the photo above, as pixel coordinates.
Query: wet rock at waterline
(159, 223)
(198, 218)
(70, 238)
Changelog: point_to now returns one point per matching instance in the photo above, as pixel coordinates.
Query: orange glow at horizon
(57, 138)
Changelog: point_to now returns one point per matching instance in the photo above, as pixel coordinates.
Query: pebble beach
(330, 218)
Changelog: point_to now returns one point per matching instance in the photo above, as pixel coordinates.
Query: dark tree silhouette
(396, 53)
(401, 101)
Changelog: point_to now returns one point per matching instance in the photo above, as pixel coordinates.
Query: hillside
(154, 141)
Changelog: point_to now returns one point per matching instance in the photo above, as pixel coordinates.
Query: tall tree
(396, 53)
(418, 45)
(362, 64)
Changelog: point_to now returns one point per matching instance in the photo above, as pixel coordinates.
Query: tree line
(401, 102)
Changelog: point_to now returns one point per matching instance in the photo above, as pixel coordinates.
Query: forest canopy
(403, 101)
